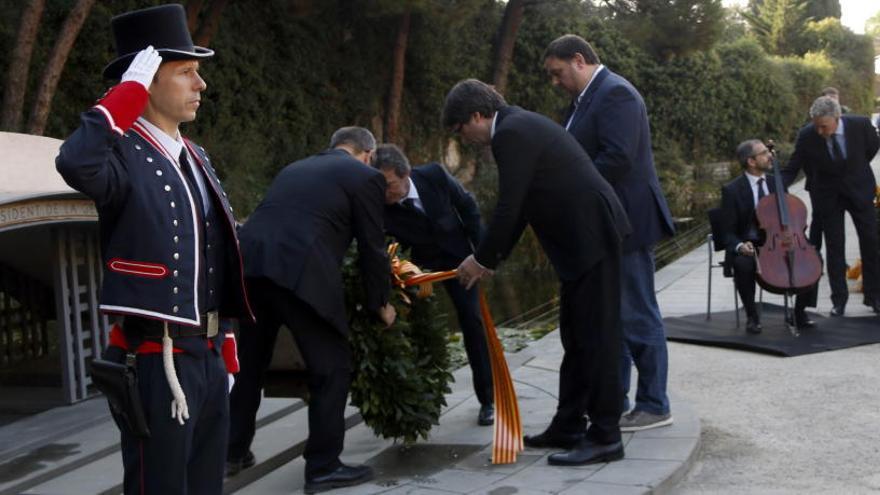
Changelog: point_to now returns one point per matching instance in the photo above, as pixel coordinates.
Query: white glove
(231, 381)
(143, 67)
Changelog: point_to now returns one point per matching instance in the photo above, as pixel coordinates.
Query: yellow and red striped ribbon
(507, 436)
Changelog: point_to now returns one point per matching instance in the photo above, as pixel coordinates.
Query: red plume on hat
(163, 26)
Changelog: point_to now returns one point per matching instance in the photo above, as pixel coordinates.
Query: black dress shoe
(802, 321)
(487, 415)
(588, 452)
(753, 326)
(235, 466)
(338, 478)
(553, 439)
(837, 311)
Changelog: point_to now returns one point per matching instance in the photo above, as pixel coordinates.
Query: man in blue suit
(608, 118)
(429, 212)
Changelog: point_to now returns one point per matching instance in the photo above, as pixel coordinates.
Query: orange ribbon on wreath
(507, 435)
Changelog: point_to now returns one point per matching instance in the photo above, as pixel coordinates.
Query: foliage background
(288, 72)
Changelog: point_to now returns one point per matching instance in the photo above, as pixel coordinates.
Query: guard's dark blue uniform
(167, 257)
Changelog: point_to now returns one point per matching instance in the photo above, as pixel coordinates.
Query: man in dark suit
(741, 237)
(546, 180)
(835, 153)
(609, 119)
(428, 211)
(293, 246)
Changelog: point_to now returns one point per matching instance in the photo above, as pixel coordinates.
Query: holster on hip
(118, 382)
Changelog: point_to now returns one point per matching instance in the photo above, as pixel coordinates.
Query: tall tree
(872, 26)
(669, 28)
(505, 41)
(19, 65)
(55, 66)
(208, 27)
(193, 9)
(779, 25)
(395, 90)
(821, 9)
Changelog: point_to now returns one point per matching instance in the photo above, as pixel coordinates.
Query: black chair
(715, 242)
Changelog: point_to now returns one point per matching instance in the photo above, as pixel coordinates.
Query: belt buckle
(213, 324)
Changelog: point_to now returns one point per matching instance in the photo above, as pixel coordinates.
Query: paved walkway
(775, 425)
(456, 458)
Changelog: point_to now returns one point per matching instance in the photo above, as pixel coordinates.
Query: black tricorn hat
(163, 26)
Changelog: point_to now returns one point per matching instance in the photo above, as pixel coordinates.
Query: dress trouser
(744, 273)
(467, 306)
(181, 459)
(589, 377)
(328, 358)
(864, 217)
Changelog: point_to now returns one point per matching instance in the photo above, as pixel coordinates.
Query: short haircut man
(609, 118)
(546, 180)
(835, 153)
(293, 245)
(825, 106)
(358, 138)
(429, 212)
(567, 46)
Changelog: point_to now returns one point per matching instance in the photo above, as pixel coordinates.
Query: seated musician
(740, 230)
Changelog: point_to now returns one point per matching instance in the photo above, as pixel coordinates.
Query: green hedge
(286, 74)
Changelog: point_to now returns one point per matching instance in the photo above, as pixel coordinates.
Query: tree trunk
(395, 92)
(193, 8)
(55, 65)
(208, 28)
(19, 64)
(513, 15)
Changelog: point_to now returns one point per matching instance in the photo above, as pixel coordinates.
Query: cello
(787, 263)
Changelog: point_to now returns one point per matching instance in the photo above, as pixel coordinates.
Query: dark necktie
(835, 147)
(410, 204)
(760, 189)
(187, 170)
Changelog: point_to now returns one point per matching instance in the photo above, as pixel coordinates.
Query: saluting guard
(172, 268)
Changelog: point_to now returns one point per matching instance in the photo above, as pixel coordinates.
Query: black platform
(829, 334)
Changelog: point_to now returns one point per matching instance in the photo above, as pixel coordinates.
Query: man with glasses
(740, 230)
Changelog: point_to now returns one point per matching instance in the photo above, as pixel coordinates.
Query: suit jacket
(546, 180)
(826, 180)
(442, 236)
(611, 123)
(738, 207)
(298, 235)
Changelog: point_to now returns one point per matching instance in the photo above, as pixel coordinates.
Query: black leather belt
(155, 329)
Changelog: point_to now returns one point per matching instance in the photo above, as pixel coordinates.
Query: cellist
(742, 236)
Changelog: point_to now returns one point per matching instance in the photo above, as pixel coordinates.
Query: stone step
(89, 461)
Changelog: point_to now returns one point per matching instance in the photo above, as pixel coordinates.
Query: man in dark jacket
(430, 212)
(170, 253)
(293, 246)
(835, 153)
(608, 118)
(739, 198)
(546, 180)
